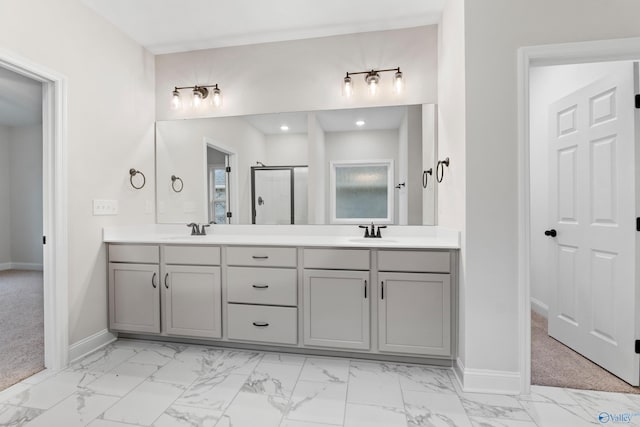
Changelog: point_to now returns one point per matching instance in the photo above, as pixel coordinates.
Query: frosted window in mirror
(361, 192)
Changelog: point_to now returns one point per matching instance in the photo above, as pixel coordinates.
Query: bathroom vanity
(310, 289)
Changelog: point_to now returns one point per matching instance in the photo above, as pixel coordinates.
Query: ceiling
(166, 26)
(377, 118)
(20, 100)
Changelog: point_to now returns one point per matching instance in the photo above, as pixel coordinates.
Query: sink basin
(371, 240)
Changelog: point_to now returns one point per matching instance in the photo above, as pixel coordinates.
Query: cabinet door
(192, 301)
(414, 313)
(134, 298)
(336, 309)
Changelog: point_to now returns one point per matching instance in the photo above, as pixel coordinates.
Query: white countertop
(419, 237)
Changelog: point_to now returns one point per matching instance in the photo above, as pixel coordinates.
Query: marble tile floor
(143, 383)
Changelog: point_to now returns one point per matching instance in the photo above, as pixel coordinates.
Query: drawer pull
(260, 286)
(153, 281)
(165, 280)
(382, 289)
(260, 257)
(365, 289)
(260, 324)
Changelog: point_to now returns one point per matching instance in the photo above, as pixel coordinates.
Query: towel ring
(132, 173)
(173, 183)
(425, 177)
(440, 170)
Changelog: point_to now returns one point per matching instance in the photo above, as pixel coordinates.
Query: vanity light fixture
(372, 77)
(200, 93)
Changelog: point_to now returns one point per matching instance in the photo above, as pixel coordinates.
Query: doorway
(54, 205)
(530, 58)
(21, 275)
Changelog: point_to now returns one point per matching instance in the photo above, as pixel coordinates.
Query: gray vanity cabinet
(336, 302)
(134, 291)
(191, 291)
(414, 308)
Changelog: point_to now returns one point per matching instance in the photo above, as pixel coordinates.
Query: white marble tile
(76, 410)
(424, 378)
(608, 406)
(434, 409)
(374, 416)
(294, 423)
(325, 369)
(104, 359)
(179, 372)
(215, 393)
(552, 415)
(494, 422)
(322, 402)
(251, 410)
(232, 362)
(493, 406)
(158, 355)
(545, 394)
(273, 379)
(17, 416)
(145, 403)
(14, 390)
(40, 376)
(122, 379)
(53, 390)
(374, 384)
(188, 416)
(107, 423)
(287, 359)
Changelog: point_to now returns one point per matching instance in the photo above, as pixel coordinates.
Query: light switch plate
(105, 207)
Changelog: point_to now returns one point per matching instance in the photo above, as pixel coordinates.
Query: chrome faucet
(198, 230)
(373, 233)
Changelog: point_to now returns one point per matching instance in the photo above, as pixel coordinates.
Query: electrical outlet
(105, 207)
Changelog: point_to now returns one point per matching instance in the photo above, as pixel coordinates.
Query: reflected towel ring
(173, 183)
(132, 173)
(440, 170)
(425, 177)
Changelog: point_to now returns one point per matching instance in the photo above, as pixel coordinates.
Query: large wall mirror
(347, 166)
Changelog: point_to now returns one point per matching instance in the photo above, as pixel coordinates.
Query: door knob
(551, 233)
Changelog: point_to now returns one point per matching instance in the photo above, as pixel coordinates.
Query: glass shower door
(272, 199)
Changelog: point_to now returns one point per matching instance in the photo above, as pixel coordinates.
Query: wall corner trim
(486, 380)
(90, 344)
(539, 307)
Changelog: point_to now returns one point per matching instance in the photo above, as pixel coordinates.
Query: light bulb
(373, 86)
(372, 80)
(347, 88)
(175, 100)
(197, 98)
(217, 97)
(398, 83)
(284, 128)
(360, 123)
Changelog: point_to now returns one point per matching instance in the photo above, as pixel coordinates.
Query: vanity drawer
(337, 259)
(261, 256)
(192, 255)
(262, 323)
(142, 254)
(418, 261)
(274, 286)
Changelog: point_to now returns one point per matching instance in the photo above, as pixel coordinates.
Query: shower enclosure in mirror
(253, 178)
(279, 194)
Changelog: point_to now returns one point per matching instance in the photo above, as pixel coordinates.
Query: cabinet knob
(552, 233)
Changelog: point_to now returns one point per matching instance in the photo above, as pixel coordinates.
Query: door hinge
(229, 214)
(44, 240)
(637, 346)
(637, 101)
(638, 224)
(228, 168)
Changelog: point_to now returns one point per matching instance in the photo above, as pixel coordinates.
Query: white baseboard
(486, 380)
(539, 307)
(90, 344)
(20, 266)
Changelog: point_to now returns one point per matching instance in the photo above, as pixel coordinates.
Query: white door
(272, 196)
(593, 210)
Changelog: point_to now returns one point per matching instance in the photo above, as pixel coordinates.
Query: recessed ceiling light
(284, 128)
(360, 123)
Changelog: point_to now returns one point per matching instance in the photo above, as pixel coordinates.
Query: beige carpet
(554, 364)
(21, 325)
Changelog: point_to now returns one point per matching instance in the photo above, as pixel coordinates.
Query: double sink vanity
(313, 289)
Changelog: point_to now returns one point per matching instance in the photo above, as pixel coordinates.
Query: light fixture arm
(373, 71)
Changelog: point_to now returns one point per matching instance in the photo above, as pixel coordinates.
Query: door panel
(592, 198)
(134, 298)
